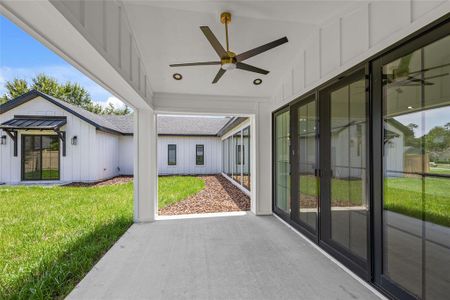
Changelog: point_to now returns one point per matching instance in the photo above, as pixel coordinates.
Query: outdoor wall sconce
(74, 140)
(3, 140)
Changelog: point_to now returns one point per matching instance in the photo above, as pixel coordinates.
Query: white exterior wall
(186, 155)
(347, 40)
(80, 161)
(126, 154)
(107, 155)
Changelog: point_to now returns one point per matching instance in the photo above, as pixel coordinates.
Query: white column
(145, 167)
(263, 158)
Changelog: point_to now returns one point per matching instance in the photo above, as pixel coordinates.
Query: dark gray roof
(183, 125)
(167, 125)
(98, 121)
(124, 123)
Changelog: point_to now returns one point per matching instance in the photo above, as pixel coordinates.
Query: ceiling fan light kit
(228, 59)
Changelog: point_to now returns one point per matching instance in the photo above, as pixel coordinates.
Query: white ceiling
(168, 32)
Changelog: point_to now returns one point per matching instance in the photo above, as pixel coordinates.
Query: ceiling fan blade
(250, 53)
(203, 63)
(213, 41)
(219, 75)
(250, 68)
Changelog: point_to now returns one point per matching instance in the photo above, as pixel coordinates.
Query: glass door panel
(416, 171)
(344, 203)
(31, 157)
(349, 207)
(282, 201)
(50, 157)
(304, 172)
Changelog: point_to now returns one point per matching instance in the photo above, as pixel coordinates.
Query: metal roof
(34, 123)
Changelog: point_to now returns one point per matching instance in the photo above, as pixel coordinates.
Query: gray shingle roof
(181, 125)
(167, 125)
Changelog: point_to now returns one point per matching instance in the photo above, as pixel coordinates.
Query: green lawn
(403, 195)
(175, 188)
(50, 237)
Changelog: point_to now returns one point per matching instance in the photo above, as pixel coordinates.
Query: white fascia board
(44, 22)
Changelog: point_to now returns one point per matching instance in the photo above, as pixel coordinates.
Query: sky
(21, 56)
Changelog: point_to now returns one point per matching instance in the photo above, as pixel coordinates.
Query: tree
(111, 110)
(70, 92)
(14, 89)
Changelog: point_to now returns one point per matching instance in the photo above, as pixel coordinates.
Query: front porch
(234, 257)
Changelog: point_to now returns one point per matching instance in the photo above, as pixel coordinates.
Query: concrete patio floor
(235, 257)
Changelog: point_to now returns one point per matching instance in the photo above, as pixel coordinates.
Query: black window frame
(201, 157)
(169, 163)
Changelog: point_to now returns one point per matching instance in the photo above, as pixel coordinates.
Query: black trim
(34, 93)
(13, 134)
(168, 154)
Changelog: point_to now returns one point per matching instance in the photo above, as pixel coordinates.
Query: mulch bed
(219, 195)
(115, 180)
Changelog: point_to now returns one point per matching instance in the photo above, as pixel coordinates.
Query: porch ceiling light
(257, 81)
(177, 76)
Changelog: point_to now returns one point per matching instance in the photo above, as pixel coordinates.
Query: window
(199, 155)
(236, 157)
(240, 148)
(172, 155)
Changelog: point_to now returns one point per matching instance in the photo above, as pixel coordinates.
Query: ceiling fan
(228, 59)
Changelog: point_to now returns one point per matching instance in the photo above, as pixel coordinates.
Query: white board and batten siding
(186, 159)
(346, 40)
(83, 162)
(126, 155)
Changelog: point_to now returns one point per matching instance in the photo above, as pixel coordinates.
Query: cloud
(114, 101)
(62, 73)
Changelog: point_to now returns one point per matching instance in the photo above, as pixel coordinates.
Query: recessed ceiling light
(257, 81)
(410, 107)
(177, 76)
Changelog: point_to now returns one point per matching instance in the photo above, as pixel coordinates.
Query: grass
(50, 237)
(403, 195)
(172, 189)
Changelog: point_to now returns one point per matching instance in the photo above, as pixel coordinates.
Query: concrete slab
(234, 257)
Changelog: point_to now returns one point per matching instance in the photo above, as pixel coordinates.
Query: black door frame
(377, 108)
(358, 265)
(294, 162)
(284, 215)
(22, 159)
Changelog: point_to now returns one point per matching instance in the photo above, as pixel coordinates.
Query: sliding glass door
(40, 157)
(414, 215)
(305, 190)
(344, 166)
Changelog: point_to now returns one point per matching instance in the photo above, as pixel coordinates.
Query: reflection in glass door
(304, 164)
(344, 193)
(416, 172)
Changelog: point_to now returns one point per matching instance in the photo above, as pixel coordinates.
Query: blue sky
(22, 56)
